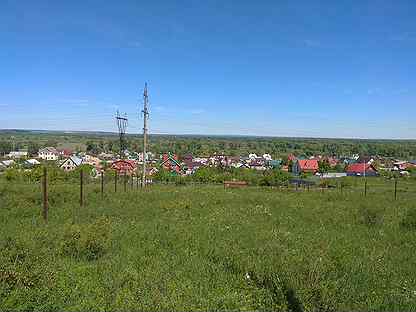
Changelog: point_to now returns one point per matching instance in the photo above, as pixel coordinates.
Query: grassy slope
(199, 248)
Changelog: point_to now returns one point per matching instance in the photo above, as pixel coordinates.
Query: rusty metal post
(125, 182)
(81, 188)
(45, 194)
(395, 189)
(102, 184)
(115, 181)
(365, 188)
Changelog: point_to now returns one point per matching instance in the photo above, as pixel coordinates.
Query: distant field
(189, 248)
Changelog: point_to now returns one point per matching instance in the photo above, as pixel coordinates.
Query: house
(333, 175)
(365, 159)
(107, 156)
(305, 166)
(93, 161)
(48, 153)
(122, 166)
(18, 154)
(71, 163)
(400, 165)
(171, 163)
(31, 163)
(332, 161)
(361, 169)
(7, 163)
(291, 158)
(275, 164)
(65, 152)
(258, 164)
(149, 156)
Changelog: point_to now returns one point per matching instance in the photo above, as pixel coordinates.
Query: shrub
(371, 216)
(409, 220)
(88, 242)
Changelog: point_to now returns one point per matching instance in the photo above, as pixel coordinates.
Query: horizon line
(208, 135)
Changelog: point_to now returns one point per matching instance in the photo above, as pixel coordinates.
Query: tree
(32, 148)
(324, 166)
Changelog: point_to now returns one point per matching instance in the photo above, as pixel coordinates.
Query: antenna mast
(145, 118)
(122, 126)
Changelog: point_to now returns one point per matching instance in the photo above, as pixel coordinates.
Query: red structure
(306, 165)
(171, 163)
(124, 166)
(361, 169)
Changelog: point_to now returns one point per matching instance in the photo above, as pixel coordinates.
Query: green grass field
(189, 248)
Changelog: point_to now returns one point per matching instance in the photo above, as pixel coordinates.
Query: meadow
(204, 247)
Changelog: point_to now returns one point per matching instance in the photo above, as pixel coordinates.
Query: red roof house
(171, 163)
(124, 166)
(291, 157)
(305, 165)
(361, 169)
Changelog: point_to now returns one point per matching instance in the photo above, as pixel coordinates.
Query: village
(186, 165)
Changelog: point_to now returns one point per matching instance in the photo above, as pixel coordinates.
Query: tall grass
(206, 248)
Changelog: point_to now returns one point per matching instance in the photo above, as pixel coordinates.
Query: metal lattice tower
(122, 122)
(145, 113)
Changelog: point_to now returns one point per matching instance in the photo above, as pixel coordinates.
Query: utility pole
(145, 117)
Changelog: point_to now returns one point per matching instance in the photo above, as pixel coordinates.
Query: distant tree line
(206, 145)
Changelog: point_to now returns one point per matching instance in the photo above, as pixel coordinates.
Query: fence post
(81, 189)
(115, 181)
(125, 181)
(45, 194)
(365, 187)
(102, 184)
(395, 189)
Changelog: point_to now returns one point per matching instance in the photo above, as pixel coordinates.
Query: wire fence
(105, 184)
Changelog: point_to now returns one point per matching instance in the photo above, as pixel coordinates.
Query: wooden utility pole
(45, 194)
(145, 117)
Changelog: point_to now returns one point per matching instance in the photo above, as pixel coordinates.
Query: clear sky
(276, 68)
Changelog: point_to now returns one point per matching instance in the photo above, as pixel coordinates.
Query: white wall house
(17, 154)
(48, 153)
(71, 163)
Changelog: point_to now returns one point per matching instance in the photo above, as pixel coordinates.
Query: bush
(371, 216)
(409, 220)
(87, 242)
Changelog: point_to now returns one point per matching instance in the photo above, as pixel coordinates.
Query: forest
(205, 145)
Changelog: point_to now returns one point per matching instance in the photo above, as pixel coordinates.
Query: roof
(32, 161)
(291, 157)
(48, 150)
(308, 164)
(360, 168)
(123, 164)
(74, 159)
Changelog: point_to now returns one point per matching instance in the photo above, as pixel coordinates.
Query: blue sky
(276, 68)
